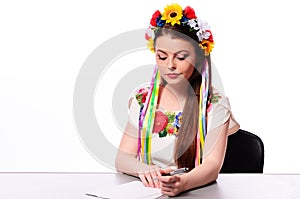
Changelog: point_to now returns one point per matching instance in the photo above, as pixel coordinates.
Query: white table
(74, 185)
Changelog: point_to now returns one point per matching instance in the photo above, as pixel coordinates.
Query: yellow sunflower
(207, 46)
(150, 44)
(172, 14)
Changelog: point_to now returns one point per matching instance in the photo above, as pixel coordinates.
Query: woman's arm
(127, 162)
(208, 171)
(203, 174)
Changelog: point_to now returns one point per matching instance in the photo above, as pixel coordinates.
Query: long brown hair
(185, 147)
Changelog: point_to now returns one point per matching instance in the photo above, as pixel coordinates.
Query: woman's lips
(172, 75)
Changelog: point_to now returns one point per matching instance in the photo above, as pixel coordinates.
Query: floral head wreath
(174, 14)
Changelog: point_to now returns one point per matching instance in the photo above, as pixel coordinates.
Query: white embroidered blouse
(168, 123)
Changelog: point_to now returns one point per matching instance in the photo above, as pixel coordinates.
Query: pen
(177, 171)
(88, 194)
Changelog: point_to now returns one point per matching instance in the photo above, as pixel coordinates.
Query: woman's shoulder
(219, 111)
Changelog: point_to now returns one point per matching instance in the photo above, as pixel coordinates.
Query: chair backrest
(244, 153)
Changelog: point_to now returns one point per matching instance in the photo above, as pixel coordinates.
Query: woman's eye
(182, 57)
(161, 57)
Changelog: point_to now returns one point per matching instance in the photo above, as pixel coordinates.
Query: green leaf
(163, 133)
(171, 116)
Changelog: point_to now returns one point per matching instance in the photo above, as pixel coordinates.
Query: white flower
(203, 33)
(150, 32)
(203, 26)
(199, 35)
(193, 24)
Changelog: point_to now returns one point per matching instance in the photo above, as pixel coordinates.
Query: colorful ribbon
(147, 117)
(202, 130)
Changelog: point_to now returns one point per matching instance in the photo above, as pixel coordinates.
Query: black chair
(244, 154)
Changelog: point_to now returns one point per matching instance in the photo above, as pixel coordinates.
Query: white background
(43, 45)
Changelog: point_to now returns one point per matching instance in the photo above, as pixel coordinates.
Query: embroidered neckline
(167, 123)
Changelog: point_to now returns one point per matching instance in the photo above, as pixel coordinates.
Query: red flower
(189, 13)
(160, 122)
(154, 17)
(147, 37)
(144, 97)
(142, 90)
(170, 129)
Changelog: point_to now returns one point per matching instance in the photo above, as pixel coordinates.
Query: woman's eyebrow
(161, 51)
(180, 51)
(183, 51)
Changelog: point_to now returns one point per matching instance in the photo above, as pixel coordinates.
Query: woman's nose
(171, 64)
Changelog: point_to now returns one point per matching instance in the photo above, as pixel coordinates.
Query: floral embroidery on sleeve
(214, 99)
(142, 95)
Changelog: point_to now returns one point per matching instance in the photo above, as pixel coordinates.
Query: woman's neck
(180, 91)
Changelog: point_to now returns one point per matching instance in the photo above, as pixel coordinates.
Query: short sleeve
(220, 112)
(134, 112)
(136, 101)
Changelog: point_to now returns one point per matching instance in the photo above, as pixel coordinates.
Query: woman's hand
(172, 185)
(151, 178)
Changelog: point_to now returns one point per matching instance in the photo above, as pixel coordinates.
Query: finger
(156, 182)
(172, 182)
(167, 189)
(169, 192)
(158, 172)
(144, 180)
(166, 186)
(166, 170)
(155, 179)
(149, 179)
(167, 179)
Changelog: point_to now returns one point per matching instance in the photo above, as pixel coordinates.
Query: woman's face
(175, 58)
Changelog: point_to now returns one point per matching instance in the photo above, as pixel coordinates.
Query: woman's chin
(176, 81)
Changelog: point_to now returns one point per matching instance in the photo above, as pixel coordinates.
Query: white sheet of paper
(133, 190)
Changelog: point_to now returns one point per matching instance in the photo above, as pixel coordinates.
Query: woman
(180, 120)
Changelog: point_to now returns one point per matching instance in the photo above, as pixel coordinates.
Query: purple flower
(178, 120)
(184, 19)
(159, 22)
